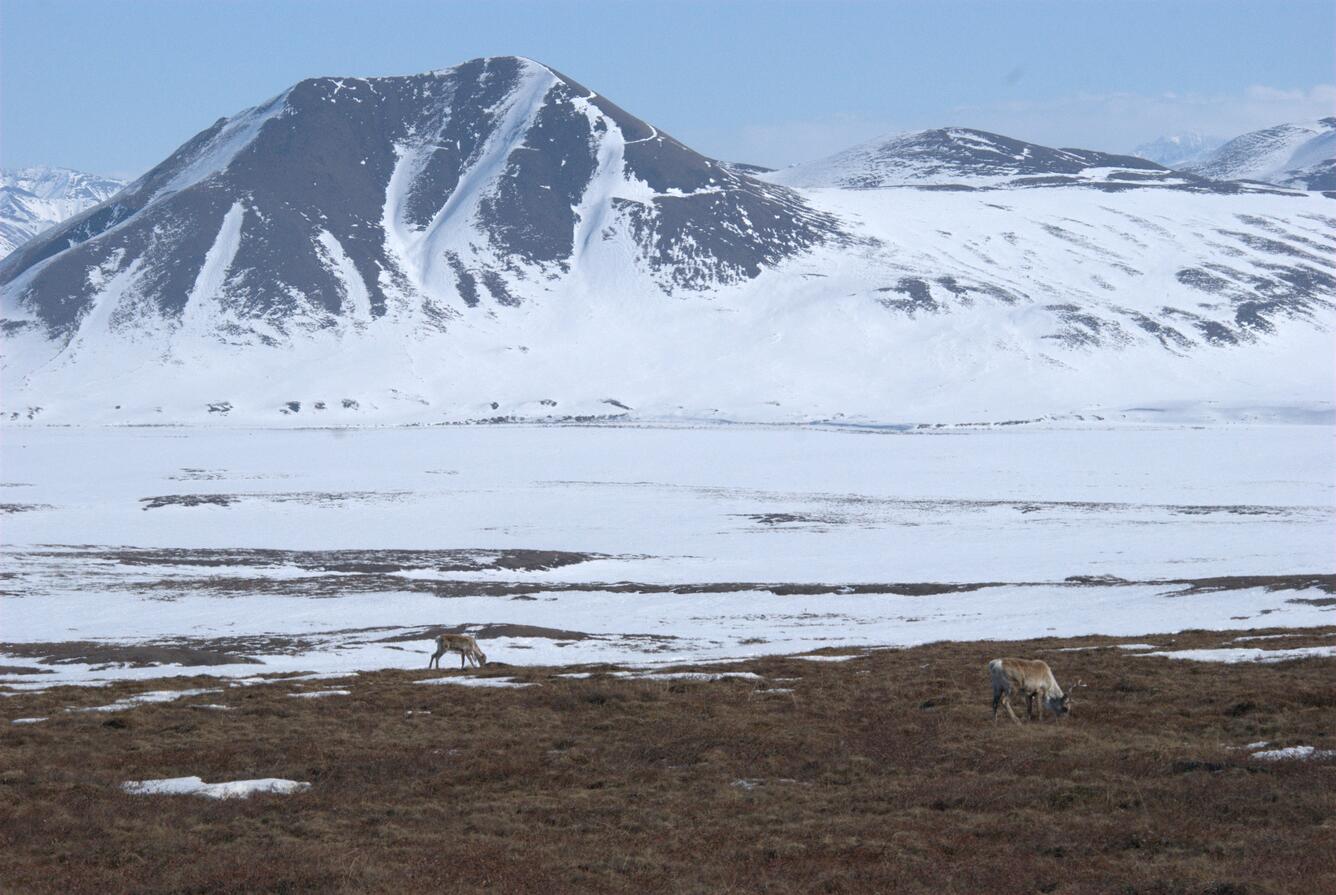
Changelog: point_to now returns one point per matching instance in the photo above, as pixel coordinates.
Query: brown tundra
(1032, 679)
(463, 644)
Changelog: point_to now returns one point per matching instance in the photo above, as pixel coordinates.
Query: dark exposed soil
(189, 500)
(22, 507)
(386, 561)
(138, 655)
(24, 669)
(1325, 583)
(791, 518)
(308, 497)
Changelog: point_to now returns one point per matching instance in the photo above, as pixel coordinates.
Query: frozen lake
(129, 550)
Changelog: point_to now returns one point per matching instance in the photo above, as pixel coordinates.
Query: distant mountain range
(1177, 150)
(495, 241)
(958, 157)
(35, 199)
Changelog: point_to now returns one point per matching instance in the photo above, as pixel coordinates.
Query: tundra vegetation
(880, 773)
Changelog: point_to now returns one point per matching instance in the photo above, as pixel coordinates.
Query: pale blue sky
(113, 86)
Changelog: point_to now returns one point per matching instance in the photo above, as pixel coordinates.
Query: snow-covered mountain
(1178, 149)
(1301, 156)
(35, 199)
(357, 199)
(495, 240)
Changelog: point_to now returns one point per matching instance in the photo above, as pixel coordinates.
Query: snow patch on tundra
(154, 696)
(1244, 654)
(194, 786)
(477, 682)
(1299, 753)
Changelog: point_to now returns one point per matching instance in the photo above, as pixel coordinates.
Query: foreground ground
(879, 773)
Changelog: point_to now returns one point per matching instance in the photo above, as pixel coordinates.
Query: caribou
(1032, 679)
(463, 644)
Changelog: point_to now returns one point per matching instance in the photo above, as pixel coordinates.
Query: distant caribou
(463, 644)
(1032, 679)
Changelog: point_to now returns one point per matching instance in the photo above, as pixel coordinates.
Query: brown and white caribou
(463, 644)
(1031, 678)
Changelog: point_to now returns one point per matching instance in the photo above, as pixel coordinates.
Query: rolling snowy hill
(34, 199)
(1301, 156)
(496, 241)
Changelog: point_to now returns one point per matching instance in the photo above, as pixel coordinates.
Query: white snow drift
(194, 786)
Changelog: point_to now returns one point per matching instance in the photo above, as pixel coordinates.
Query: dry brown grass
(882, 774)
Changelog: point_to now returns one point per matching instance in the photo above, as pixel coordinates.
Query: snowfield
(144, 552)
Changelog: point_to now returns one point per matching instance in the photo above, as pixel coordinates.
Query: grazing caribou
(1032, 679)
(463, 644)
